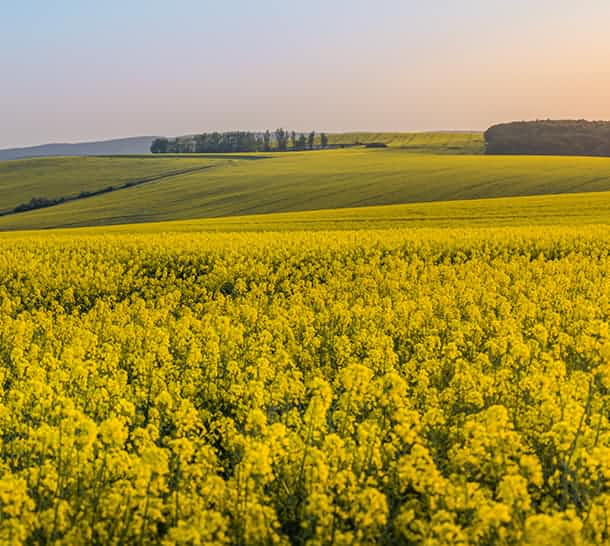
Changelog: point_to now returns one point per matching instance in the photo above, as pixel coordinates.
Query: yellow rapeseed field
(436, 387)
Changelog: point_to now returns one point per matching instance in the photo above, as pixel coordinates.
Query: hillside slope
(119, 146)
(574, 210)
(541, 210)
(52, 178)
(443, 142)
(323, 180)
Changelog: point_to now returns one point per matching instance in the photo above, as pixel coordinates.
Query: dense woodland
(279, 140)
(550, 138)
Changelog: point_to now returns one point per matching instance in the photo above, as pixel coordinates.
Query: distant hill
(120, 146)
(437, 142)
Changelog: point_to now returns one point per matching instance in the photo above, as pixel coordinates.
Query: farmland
(341, 347)
(446, 386)
(229, 186)
(580, 209)
(21, 180)
(431, 142)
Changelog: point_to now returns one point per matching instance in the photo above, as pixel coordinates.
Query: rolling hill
(444, 142)
(120, 146)
(226, 185)
(552, 211)
(67, 177)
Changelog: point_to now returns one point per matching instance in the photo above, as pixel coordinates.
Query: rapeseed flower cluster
(350, 388)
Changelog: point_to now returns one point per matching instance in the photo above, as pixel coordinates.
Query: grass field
(23, 179)
(429, 142)
(544, 210)
(308, 181)
(541, 210)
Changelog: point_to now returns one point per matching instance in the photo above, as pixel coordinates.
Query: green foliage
(159, 146)
(281, 140)
(323, 140)
(549, 137)
(232, 142)
(311, 140)
(301, 142)
(38, 203)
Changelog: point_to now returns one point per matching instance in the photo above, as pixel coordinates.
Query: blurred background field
(192, 186)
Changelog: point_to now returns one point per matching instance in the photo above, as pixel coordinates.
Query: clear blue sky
(80, 70)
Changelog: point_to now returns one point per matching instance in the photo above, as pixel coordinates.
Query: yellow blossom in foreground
(398, 387)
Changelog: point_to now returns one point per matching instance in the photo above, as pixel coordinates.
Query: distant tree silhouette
(302, 142)
(159, 146)
(550, 138)
(238, 141)
(267, 141)
(311, 140)
(281, 140)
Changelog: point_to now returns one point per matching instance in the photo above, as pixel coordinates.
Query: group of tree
(44, 202)
(279, 140)
(38, 203)
(549, 137)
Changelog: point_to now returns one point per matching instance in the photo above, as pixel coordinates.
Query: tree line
(549, 137)
(279, 140)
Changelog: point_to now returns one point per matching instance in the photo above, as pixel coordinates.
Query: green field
(430, 142)
(23, 179)
(294, 182)
(541, 210)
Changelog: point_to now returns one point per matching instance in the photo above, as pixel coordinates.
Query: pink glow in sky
(75, 70)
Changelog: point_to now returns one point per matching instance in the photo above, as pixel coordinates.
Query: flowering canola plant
(435, 387)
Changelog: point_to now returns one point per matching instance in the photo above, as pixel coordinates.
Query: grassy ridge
(23, 179)
(432, 142)
(324, 180)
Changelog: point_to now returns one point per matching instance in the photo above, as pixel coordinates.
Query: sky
(74, 70)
